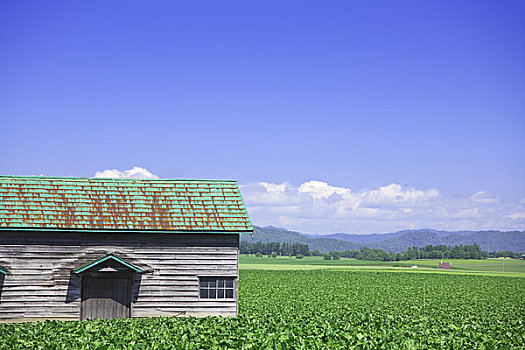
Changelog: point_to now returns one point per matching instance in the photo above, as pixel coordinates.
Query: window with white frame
(216, 287)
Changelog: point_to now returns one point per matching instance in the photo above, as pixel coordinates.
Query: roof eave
(60, 229)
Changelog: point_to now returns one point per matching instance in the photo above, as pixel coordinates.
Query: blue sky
(356, 95)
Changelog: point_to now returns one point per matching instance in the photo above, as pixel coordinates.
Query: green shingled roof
(121, 204)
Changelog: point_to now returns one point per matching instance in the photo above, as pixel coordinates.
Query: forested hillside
(393, 242)
(273, 234)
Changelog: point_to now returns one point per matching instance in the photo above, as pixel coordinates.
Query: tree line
(471, 251)
(278, 248)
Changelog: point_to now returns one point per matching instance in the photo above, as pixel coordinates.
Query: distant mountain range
(393, 242)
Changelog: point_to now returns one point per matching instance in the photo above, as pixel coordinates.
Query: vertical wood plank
(106, 297)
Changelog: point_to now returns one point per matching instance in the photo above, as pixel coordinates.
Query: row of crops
(318, 310)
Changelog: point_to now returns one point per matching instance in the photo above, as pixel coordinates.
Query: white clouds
(135, 173)
(318, 207)
(321, 190)
(483, 197)
(465, 213)
(395, 194)
(264, 193)
(517, 216)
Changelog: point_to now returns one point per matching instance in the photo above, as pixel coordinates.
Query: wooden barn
(81, 248)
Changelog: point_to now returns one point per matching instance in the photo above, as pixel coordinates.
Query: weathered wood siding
(40, 283)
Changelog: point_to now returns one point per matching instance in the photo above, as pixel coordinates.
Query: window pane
(216, 287)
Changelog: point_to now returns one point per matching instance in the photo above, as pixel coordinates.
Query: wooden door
(106, 296)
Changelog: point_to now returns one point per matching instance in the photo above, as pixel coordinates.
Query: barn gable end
(110, 257)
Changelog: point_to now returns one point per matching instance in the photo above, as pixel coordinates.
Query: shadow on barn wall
(73, 288)
(136, 287)
(3, 272)
(2, 278)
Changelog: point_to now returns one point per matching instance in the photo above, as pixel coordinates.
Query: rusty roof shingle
(68, 203)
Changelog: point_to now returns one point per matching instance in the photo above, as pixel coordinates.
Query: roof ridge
(32, 177)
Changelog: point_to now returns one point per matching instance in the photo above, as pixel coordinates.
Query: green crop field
(499, 266)
(318, 309)
(496, 267)
(307, 263)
